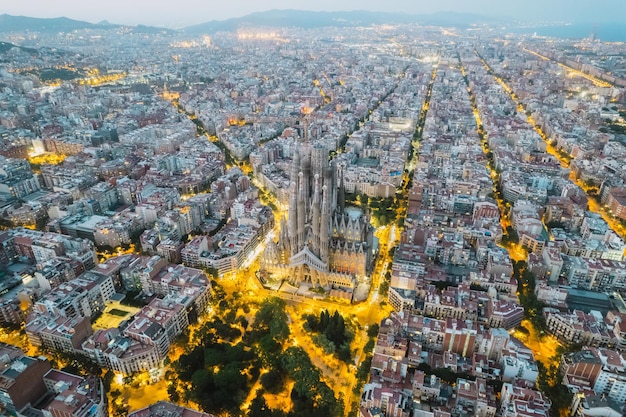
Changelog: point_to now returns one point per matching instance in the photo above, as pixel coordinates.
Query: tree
(311, 322)
(230, 378)
(523, 330)
(549, 382)
(201, 380)
(383, 289)
(79, 364)
(120, 410)
(115, 394)
(333, 335)
(172, 393)
(107, 379)
(511, 236)
(364, 368)
(335, 330)
(344, 353)
(273, 381)
(271, 319)
(258, 407)
(243, 322)
(310, 395)
(322, 341)
(188, 363)
(426, 368)
(372, 331)
(590, 183)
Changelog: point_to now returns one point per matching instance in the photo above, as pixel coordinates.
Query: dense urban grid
(389, 220)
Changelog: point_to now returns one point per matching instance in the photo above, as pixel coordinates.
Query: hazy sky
(187, 12)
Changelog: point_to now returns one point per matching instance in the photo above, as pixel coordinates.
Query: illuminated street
(544, 347)
(565, 161)
(595, 80)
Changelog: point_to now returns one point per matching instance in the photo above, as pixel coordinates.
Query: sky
(179, 13)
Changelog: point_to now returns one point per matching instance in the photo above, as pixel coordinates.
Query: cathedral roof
(306, 257)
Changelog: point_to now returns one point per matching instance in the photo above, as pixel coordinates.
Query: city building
(323, 242)
(30, 386)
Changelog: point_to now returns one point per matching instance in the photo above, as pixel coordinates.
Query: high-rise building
(322, 242)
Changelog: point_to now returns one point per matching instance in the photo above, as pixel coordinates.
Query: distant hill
(6, 46)
(310, 19)
(150, 30)
(10, 23)
(272, 18)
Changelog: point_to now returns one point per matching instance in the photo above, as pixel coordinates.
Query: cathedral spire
(301, 207)
(295, 165)
(292, 227)
(283, 237)
(306, 130)
(306, 111)
(324, 226)
(341, 193)
(315, 221)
